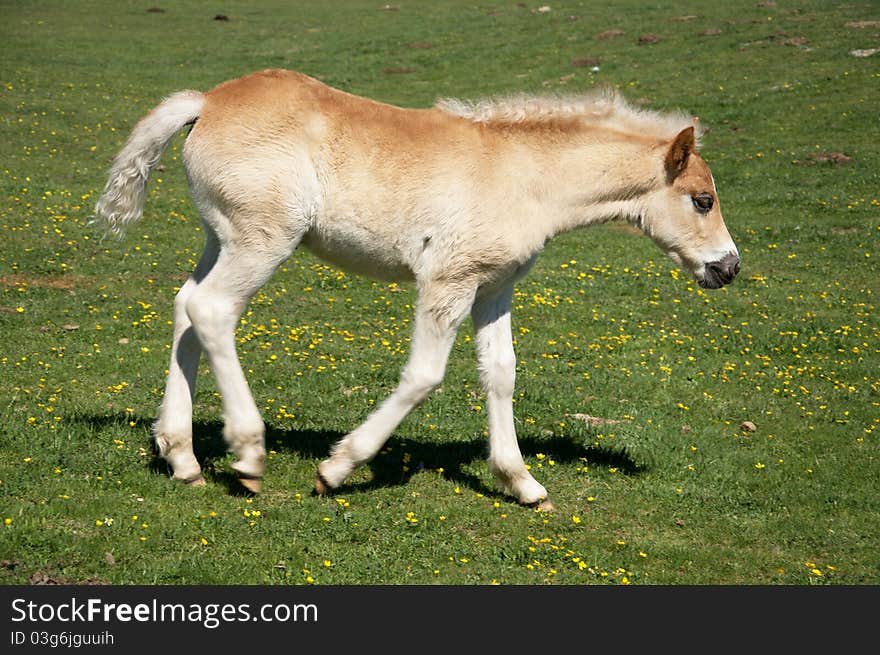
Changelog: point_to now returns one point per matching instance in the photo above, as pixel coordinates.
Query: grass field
(670, 490)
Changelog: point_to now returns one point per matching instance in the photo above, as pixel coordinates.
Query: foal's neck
(589, 176)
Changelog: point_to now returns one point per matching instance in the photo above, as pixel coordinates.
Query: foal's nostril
(728, 267)
(718, 270)
(725, 269)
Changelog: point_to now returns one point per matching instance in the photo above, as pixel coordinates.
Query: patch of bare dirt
(609, 34)
(595, 421)
(796, 41)
(46, 281)
(781, 38)
(43, 578)
(649, 39)
(823, 157)
(40, 578)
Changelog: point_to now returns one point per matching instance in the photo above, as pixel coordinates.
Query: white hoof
(543, 505)
(253, 485)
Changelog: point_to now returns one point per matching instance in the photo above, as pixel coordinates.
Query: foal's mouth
(718, 273)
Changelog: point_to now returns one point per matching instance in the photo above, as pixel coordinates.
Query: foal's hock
(460, 198)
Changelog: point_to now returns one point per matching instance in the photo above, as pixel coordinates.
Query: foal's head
(684, 217)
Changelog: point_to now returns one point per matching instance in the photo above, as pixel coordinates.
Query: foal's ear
(678, 153)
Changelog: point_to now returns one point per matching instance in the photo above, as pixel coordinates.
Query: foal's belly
(358, 249)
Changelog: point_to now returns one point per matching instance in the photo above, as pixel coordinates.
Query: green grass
(674, 493)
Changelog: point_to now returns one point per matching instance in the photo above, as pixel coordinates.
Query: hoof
(321, 486)
(253, 485)
(198, 481)
(542, 505)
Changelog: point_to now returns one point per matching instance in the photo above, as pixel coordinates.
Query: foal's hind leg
(497, 365)
(173, 428)
(433, 336)
(214, 308)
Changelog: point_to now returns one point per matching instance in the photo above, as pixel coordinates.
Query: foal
(459, 198)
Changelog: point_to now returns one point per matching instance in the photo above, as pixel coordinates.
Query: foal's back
(370, 184)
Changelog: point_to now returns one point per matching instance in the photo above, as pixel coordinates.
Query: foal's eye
(703, 202)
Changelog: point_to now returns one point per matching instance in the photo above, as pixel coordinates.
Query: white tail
(123, 199)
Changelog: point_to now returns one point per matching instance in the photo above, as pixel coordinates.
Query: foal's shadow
(388, 468)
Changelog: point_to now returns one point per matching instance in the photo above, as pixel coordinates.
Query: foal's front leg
(433, 336)
(497, 365)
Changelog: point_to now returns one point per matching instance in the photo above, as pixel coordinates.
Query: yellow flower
(575, 519)
(204, 541)
(7, 521)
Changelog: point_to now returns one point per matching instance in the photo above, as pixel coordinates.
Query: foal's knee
(419, 384)
(182, 296)
(211, 317)
(498, 374)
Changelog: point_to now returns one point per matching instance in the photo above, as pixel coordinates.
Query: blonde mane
(602, 108)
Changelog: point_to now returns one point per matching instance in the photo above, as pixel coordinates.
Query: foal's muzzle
(720, 272)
